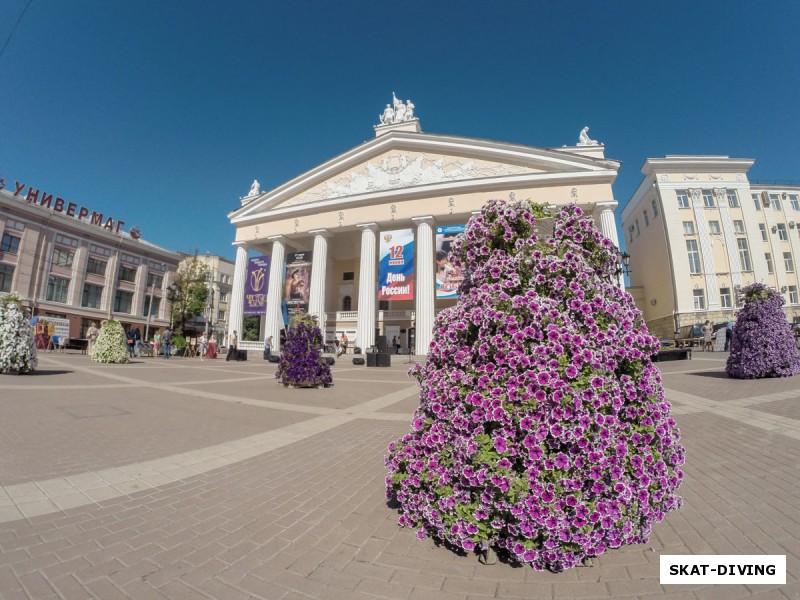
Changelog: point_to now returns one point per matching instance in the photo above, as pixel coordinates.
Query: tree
(542, 428)
(251, 325)
(301, 363)
(191, 290)
(762, 344)
(17, 347)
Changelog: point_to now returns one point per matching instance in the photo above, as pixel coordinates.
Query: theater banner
(396, 273)
(448, 276)
(255, 288)
(297, 285)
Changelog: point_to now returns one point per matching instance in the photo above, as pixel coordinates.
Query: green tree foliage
(252, 327)
(191, 293)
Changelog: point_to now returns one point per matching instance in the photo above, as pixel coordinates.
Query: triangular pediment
(414, 163)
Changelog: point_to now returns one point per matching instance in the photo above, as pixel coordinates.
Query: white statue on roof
(397, 112)
(585, 140)
(255, 189)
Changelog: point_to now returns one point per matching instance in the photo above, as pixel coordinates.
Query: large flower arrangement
(542, 428)
(301, 363)
(762, 344)
(17, 348)
(111, 346)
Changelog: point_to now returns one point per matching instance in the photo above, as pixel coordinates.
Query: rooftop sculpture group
(397, 112)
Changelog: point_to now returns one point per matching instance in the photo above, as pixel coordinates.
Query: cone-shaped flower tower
(301, 363)
(17, 347)
(542, 428)
(110, 346)
(762, 345)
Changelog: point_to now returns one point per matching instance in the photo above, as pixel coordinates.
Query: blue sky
(162, 113)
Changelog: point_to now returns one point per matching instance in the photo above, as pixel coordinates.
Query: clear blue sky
(162, 113)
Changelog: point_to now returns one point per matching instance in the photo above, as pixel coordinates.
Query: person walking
(203, 346)
(707, 330)
(91, 335)
(268, 348)
(129, 339)
(137, 342)
(395, 345)
(166, 342)
(233, 344)
(344, 343)
(728, 335)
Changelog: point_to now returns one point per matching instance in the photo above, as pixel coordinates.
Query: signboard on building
(297, 285)
(396, 272)
(255, 288)
(448, 276)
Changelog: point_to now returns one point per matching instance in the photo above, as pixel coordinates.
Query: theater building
(70, 262)
(359, 241)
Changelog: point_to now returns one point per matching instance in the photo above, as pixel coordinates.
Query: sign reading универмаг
(396, 273)
(255, 288)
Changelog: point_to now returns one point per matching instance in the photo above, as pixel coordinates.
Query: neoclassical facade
(402, 179)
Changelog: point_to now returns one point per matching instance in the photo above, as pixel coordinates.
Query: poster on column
(396, 271)
(298, 282)
(448, 276)
(255, 288)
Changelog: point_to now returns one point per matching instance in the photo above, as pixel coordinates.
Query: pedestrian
(233, 344)
(268, 348)
(203, 346)
(137, 342)
(91, 335)
(728, 335)
(344, 342)
(166, 342)
(707, 330)
(129, 337)
(156, 344)
(396, 345)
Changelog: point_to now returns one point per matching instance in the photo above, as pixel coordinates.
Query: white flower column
(608, 224)
(235, 316)
(365, 333)
(425, 284)
(274, 316)
(319, 269)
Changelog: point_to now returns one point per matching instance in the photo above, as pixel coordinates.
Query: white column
(319, 267)
(365, 333)
(426, 289)
(110, 289)
(273, 315)
(236, 318)
(608, 225)
(78, 274)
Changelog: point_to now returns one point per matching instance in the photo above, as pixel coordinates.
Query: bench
(673, 354)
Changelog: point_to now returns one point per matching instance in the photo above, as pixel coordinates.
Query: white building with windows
(698, 230)
(403, 179)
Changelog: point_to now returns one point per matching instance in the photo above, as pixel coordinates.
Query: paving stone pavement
(187, 479)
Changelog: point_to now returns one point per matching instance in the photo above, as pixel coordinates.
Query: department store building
(69, 261)
(315, 240)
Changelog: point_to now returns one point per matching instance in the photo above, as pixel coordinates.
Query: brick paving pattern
(208, 480)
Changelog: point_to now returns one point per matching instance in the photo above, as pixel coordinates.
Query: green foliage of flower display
(17, 348)
(110, 346)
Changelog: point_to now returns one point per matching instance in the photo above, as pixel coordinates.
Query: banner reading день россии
(396, 272)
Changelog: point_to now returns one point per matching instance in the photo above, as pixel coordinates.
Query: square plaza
(189, 479)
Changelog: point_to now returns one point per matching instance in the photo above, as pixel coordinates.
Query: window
(788, 262)
(694, 256)
(348, 276)
(57, 289)
(383, 305)
(223, 296)
(129, 258)
(156, 306)
(744, 254)
(630, 233)
(768, 258)
(793, 294)
(636, 223)
(756, 201)
(655, 208)
(19, 225)
(10, 244)
(688, 228)
(646, 218)
(683, 199)
(220, 315)
(123, 301)
(92, 295)
(6, 276)
(782, 234)
(708, 199)
(99, 250)
(347, 304)
(733, 199)
(725, 297)
(699, 299)
(127, 273)
(775, 200)
(62, 257)
(763, 229)
(96, 266)
(157, 280)
(738, 226)
(794, 200)
(713, 227)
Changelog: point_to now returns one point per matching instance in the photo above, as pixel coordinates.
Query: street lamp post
(172, 295)
(149, 312)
